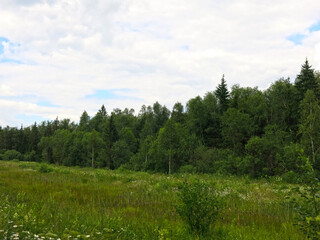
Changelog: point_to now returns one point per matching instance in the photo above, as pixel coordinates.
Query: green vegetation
(242, 131)
(236, 136)
(86, 203)
(199, 206)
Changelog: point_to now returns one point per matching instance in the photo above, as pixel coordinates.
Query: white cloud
(165, 51)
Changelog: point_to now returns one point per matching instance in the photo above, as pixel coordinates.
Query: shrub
(291, 177)
(308, 205)
(198, 207)
(30, 156)
(11, 154)
(45, 168)
(187, 169)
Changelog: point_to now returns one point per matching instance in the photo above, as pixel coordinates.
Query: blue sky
(129, 53)
(299, 37)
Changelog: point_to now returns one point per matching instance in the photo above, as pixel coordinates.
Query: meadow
(40, 201)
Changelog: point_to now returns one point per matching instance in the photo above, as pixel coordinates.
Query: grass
(40, 201)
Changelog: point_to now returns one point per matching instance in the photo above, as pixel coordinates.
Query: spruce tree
(306, 80)
(222, 95)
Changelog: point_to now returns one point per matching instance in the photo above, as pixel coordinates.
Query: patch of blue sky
(2, 39)
(45, 103)
(8, 60)
(28, 120)
(315, 27)
(116, 94)
(297, 38)
(12, 49)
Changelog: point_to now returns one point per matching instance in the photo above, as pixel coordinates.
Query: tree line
(241, 131)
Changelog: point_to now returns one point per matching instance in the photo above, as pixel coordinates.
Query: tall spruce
(222, 95)
(306, 80)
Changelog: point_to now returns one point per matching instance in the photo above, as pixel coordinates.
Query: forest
(234, 131)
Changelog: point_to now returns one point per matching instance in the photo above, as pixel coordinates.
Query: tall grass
(50, 202)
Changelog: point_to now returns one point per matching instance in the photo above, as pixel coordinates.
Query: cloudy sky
(61, 57)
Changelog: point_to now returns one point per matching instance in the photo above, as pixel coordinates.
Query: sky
(61, 57)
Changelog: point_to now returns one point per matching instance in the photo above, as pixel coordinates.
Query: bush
(45, 168)
(308, 205)
(198, 207)
(291, 177)
(187, 169)
(31, 156)
(11, 154)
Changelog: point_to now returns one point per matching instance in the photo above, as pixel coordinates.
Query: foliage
(308, 205)
(222, 94)
(11, 155)
(247, 131)
(198, 207)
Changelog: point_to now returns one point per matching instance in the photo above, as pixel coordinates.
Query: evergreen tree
(84, 121)
(222, 94)
(306, 80)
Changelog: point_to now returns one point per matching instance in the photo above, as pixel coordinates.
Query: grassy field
(39, 201)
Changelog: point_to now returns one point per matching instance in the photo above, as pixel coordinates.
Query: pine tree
(222, 95)
(306, 80)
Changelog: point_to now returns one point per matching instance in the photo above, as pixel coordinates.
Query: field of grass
(39, 201)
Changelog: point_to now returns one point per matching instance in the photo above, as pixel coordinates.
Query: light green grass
(84, 203)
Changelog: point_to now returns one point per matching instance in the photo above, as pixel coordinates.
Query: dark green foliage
(84, 122)
(309, 127)
(237, 128)
(11, 155)
(121, 153)
(45, 168)
(177, 113)
(222, 95)
(198, 207)
(283, 106)
(187, 169)
(306, 80)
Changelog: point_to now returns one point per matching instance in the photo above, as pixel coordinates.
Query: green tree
(306, 80)
(177, 113)
(309, 127)
(84, 121)
(222, 95)
(121, 153)
(127, 135)
(237, 128)
(253, 102)
(283, 106)
(168, 140)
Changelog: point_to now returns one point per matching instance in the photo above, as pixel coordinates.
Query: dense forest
(238, 131)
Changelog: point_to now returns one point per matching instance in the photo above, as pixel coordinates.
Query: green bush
(198, 206)
(45, 168)
(187, 169)
(11, 154)
(30, 156)
(308, 204)
(291, 177)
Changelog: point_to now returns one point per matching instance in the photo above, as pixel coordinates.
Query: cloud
(62, 51)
